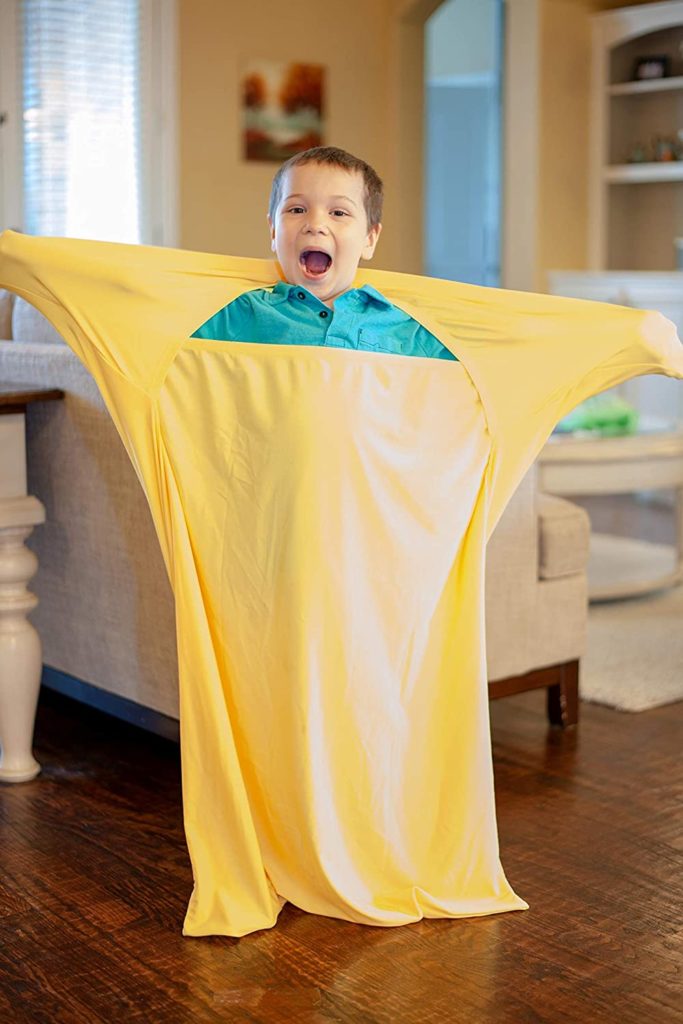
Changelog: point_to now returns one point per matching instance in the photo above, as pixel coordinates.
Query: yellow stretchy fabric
(323, 516)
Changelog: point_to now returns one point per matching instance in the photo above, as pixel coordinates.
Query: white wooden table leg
(20, 647)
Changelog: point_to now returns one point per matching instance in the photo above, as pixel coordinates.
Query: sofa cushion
(30, 325)
(6, 303)
(563, 537)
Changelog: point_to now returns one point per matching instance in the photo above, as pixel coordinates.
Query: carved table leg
(20, 647)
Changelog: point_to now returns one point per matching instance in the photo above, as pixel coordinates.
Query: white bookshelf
(669, 84)
(635, 209)
(624, 174)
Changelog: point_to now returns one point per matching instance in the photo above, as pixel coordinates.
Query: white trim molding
(11, 159)
(160, 124)
(521, 112)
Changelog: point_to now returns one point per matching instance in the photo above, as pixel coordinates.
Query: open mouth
(315, 262)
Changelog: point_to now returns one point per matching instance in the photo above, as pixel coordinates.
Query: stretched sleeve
(125, 310)
(556, 356)
(534, 357)
(117, 306)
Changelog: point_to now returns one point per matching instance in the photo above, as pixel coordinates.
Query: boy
(324, 519)
(324, 216)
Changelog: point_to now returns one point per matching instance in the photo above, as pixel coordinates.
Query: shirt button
(323, 313)
(301, 295)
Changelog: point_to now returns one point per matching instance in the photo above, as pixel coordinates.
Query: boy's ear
(371, 241)
(272, 231)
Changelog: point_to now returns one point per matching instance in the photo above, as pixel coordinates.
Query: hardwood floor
(95, 879)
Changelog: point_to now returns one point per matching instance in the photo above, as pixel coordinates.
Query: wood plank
(15, 397)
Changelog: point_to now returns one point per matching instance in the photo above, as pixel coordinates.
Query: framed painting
(283, 109)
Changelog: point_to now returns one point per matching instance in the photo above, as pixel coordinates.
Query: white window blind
(81, 79)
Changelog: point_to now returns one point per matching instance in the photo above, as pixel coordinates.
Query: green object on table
(606, 416)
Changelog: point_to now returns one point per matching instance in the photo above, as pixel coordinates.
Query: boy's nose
(316, 224)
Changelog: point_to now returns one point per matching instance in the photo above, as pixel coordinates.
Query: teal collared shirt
(290, 314)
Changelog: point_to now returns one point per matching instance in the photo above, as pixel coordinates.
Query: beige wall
(374, 54)
(224, 199)
(564, 84)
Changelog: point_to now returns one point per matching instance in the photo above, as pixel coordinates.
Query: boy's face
(322, 211)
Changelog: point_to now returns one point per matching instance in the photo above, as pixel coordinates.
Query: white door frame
(11, 197)
(519, 235)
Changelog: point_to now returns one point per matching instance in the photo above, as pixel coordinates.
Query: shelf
(630, 225)
(624, 174)
(652, 85)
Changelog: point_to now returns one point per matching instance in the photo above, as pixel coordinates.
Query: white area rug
(634, 651)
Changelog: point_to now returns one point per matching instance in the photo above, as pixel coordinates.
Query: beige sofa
(105, 612)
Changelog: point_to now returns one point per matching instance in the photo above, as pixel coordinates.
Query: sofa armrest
(536, 583)
(512, 581)
(105, 610)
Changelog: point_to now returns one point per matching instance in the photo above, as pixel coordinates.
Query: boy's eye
(293, 209)
(343, 212)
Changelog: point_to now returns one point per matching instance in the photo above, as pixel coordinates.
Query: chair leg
(563, 697)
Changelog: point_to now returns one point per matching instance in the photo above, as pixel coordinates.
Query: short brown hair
(373, 193)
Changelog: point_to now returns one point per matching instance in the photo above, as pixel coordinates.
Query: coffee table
(582, 464)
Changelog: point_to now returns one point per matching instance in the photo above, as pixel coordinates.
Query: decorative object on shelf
(608, 416)
(647, 68)
(639, 154)
(665, 148)
(283, 108)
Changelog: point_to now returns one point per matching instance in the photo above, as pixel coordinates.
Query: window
(86, 103)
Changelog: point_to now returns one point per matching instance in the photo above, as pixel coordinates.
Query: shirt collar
(377, 296)
(284, 291)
